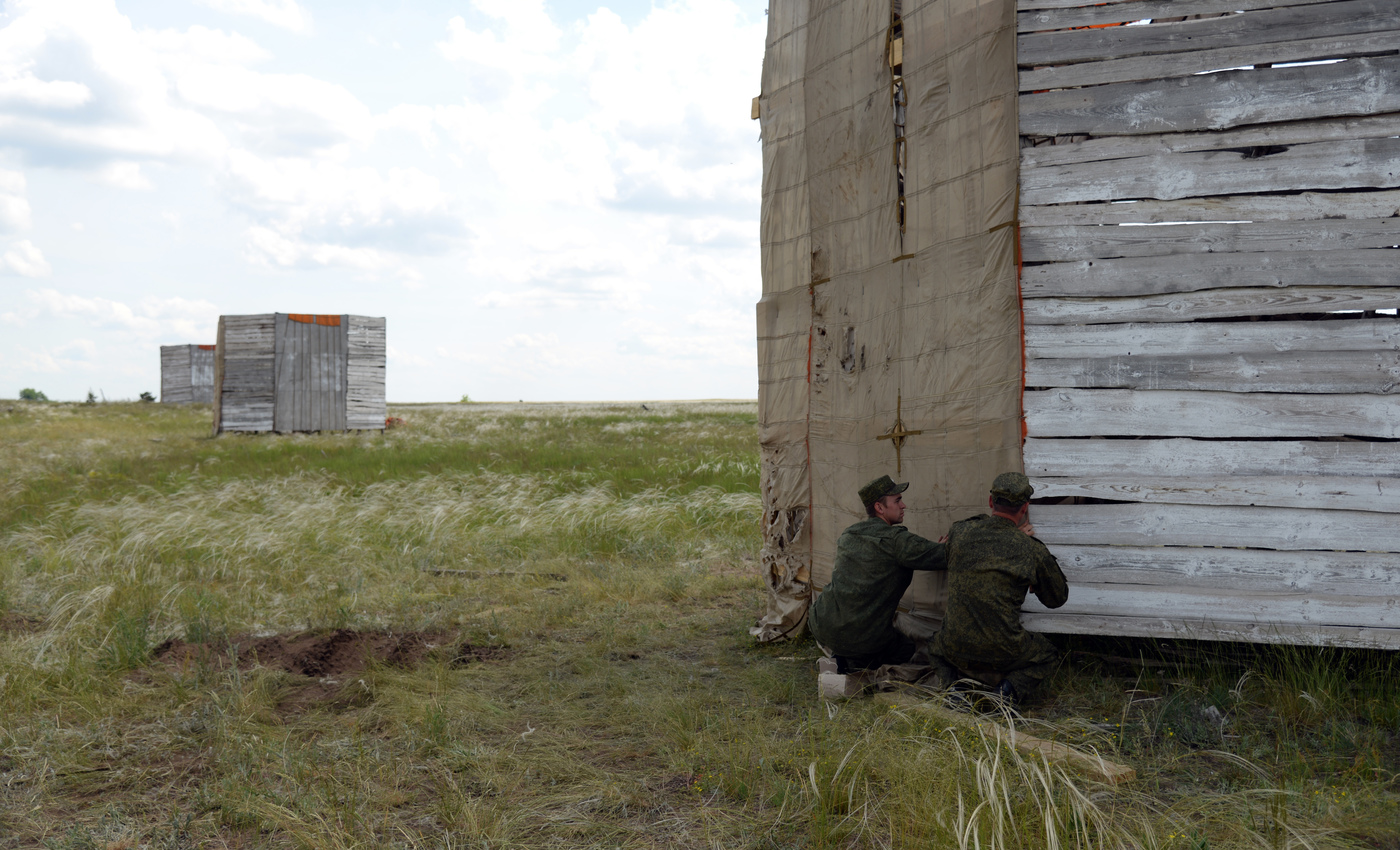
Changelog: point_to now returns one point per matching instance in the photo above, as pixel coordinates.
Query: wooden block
(1265, 26)
(1353, 461)
(753, 108)
(1134, 339)
(1271, 372)
(1177, 413)
(1038, 16)
(1284, 529)
(1340, 164)
(1362, 86)
(1057, 244)
(1211, 304)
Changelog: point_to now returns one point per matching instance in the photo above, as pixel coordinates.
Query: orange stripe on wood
(315, 319)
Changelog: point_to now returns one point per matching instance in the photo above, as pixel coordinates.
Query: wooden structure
(186, 374)
(1204, 237)
(299, 372)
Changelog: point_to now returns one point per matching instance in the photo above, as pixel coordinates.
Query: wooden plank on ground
(1188, 62)
(1131, 276)
(1098, 242)
(1040, 18)
(1220, 101)
(1354, 164)
(1343, 17)
(1185, 458)
(1274, 372)
(1213, 304)
(1061, 341)
(1205, 607)
(1304, 206)
(1363, 574)
(1180, 413)
(1090, 763)
(1380, 495)
(1175, 627)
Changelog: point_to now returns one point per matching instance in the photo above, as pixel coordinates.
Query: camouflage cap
(1013, 487)
(880, 487)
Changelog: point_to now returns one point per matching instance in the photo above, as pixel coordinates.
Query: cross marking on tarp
(897, 434)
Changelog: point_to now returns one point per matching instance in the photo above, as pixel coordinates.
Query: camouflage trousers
(1025, 673)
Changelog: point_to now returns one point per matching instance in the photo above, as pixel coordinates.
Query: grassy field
(525, 626)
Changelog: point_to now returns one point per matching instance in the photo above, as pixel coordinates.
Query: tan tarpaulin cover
(855, 313)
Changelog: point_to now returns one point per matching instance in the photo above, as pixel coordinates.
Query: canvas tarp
(862, 318)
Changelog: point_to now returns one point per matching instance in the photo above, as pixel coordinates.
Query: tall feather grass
(629, 707)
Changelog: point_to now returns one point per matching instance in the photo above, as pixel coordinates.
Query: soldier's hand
(1027, 528)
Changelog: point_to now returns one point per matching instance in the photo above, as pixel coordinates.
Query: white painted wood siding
(1212, 397)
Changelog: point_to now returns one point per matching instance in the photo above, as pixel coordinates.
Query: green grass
(624, 706)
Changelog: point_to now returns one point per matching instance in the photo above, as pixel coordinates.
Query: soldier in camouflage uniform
(992, 562)
(875, 561)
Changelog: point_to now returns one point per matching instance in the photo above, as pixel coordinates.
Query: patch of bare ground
(326, 654)
(12, 623)
(325, 664)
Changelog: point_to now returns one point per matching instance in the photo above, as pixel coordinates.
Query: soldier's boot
(1024, 681)
(1006, 692)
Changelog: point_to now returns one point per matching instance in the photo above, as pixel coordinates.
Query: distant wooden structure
(1188, 243)
(299, 372)
(186, 374)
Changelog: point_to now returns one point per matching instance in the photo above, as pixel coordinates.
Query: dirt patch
(326, 664)
(12, 623)
(321, 655)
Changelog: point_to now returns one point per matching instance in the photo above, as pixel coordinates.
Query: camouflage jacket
(875, 562)
(991, 565)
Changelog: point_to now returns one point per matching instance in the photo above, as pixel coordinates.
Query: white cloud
(124, 175)
(523, 40)
(84, 90)
(14, 206)
(152, 318)
(624, 140)
(25, 259)
(317, 213)
(280, 13)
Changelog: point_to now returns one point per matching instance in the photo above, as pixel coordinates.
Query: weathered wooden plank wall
(364, 397)
(1212, 354)
(175, 386)
(310, 373)
(202, 373)
(243, 373)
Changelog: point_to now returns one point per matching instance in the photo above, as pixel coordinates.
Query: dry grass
(623, 705)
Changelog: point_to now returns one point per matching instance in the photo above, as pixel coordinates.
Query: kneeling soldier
(992, 562)
(875, 561)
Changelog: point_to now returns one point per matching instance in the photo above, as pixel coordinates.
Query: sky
(546, 200)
